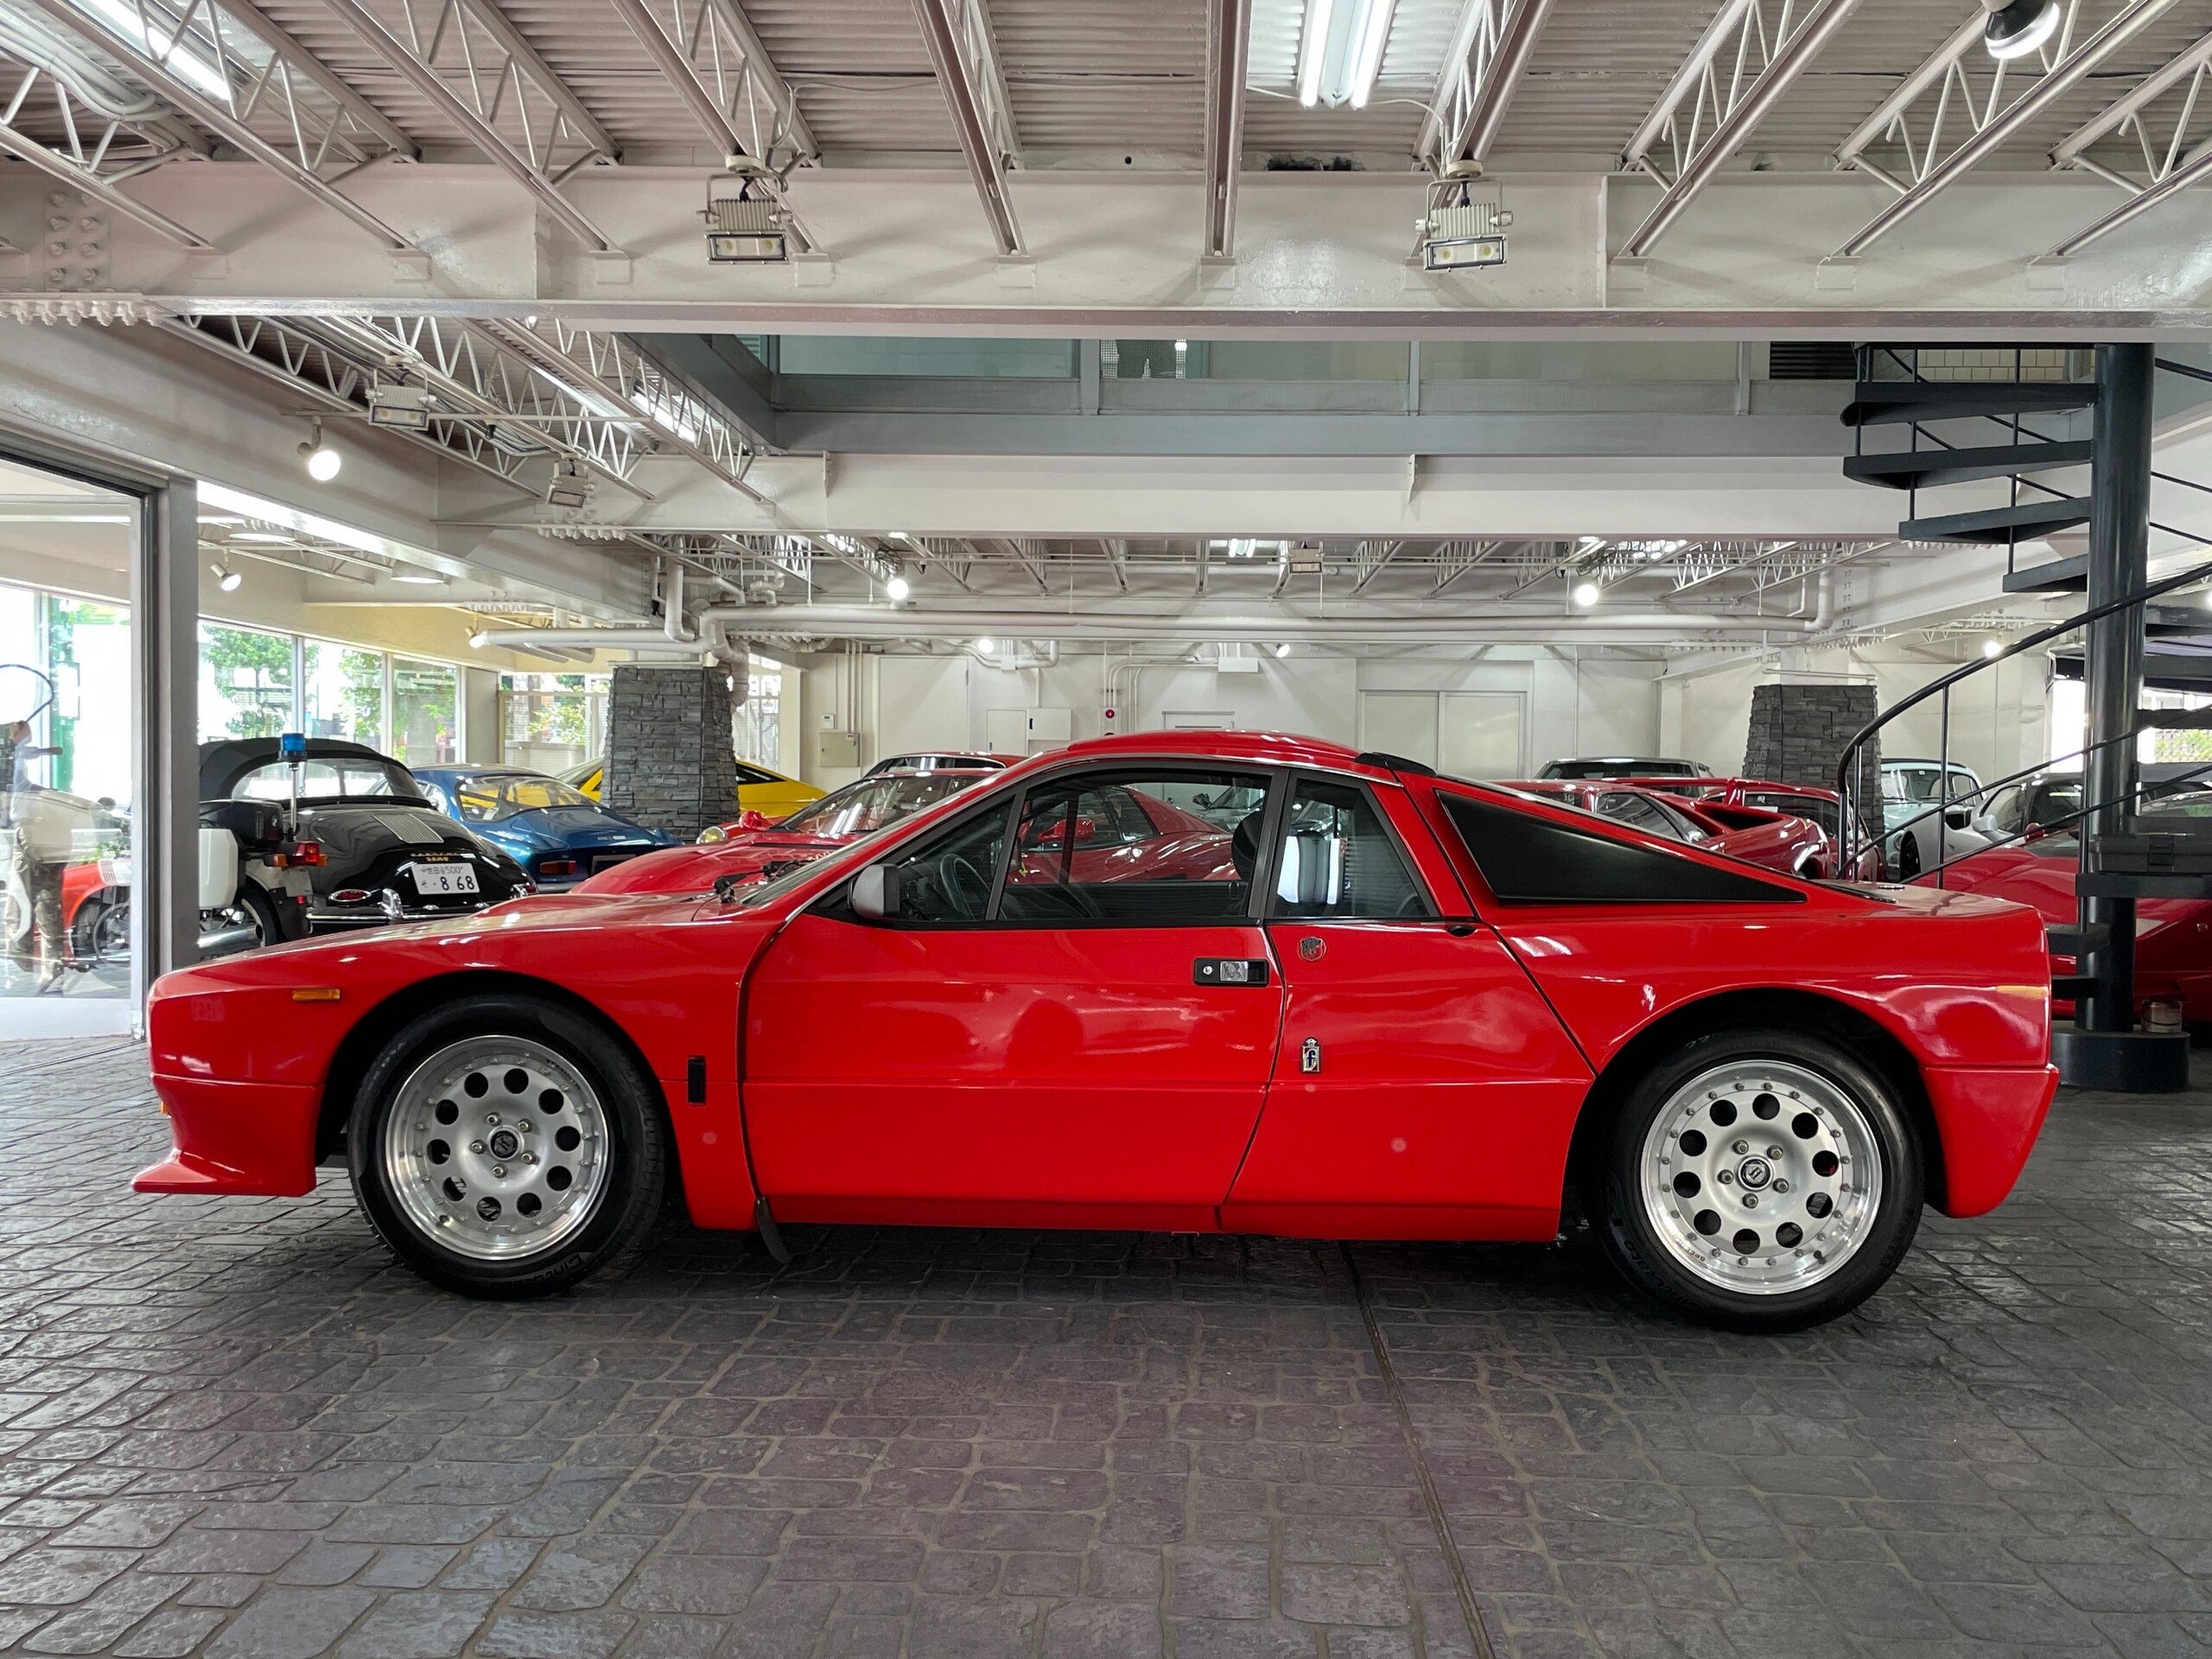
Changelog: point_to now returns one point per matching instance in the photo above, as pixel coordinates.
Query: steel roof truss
(958, 36)
(2176, 137)
(96, 153)
(1488, 56)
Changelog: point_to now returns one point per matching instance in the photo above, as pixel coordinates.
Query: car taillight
(301, 853)
(557, 867)
(351, 896)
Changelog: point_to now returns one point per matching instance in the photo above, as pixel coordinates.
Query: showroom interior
(1781, 427)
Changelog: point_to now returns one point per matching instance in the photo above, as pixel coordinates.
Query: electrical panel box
(837, 748)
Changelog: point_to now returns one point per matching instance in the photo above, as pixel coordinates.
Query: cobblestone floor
(231, 1427)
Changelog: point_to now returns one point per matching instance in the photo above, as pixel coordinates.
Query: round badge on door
(1312, 950)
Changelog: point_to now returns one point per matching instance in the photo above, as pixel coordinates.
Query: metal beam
(1735, 110)
(964, 100)
(1492, 87)
(223, 119)
(2064, 76)
(1229, 43)
(123, 148)
(529, 166)
(2173, 164)
(282, 46)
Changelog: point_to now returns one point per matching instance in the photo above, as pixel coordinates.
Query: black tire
(1908, 858)
(1632, 1240)
(84, 931)
(258, 905)
(610, 1235)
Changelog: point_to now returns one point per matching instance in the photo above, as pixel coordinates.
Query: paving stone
(244, 1433)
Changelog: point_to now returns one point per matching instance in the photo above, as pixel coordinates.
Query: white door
(1480, 734)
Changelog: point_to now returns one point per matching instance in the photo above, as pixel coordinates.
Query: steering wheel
(959, 878)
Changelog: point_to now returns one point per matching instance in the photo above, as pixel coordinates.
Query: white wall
(1588, 703)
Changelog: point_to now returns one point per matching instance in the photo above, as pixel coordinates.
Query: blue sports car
(558, 833)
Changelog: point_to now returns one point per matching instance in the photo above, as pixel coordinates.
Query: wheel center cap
(1754, 1173)
(504, 1144)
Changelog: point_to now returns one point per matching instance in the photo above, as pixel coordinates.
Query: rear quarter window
(1527, 860)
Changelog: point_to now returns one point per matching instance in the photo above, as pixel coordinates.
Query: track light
(407, 408)
(225, 578)
(2017, 28)
(323, 461)
(1283, 649)
(898, 587)
(987, 646)
(746, 224)
(1993, 646)
(477, 641)
(1587, 594)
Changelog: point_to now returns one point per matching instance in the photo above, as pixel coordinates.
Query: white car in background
(1910, 825)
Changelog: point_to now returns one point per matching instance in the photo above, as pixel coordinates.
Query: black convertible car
(368, 848)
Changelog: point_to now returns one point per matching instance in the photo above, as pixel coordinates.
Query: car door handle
(1230, 970)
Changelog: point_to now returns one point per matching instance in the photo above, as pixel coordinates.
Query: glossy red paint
(1044, 1073)
(2173, 937)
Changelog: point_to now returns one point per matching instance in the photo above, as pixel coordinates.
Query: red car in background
(1775, 840)
(2173, 937)
(1362, 1001)
(751, 849)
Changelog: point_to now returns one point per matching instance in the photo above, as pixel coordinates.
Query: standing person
(35, 876)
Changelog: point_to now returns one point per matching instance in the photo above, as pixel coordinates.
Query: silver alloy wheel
(1761, 1177)
(496, 1148)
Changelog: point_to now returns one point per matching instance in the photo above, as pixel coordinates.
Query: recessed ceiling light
(2016, 28)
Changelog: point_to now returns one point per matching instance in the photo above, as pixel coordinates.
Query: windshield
(341, 778)
(1619, 769)
(488, 800)
(873, 804)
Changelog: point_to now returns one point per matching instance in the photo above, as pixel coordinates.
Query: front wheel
(505, 1148)
(1761, 1181)
(1908, 858)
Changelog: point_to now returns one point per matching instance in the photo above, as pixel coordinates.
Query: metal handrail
(1847, 785)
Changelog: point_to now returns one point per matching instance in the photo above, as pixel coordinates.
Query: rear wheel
(1761, 1181)
(505, 1147)
(1908, 858)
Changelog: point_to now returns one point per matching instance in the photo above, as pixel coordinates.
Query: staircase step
(1909, 469)
(2117, 884)
(2069, 987)
(2077, 941)
(2065, 576)
(2175, 621)
(2001, 526)
(1886, 403)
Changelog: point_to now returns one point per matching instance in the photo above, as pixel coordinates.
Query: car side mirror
(875, 893)
(1958, 817)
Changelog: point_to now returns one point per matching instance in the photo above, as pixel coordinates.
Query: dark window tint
(745, 775)
(948, 878)
(1116, 848)
(1338, 860)
(1527, 860)
(1818, 807)
(1640, 810)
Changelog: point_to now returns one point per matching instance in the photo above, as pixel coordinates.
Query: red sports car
(2173, 937)
(750, 851)
(1776, 840)
(1401, 1007)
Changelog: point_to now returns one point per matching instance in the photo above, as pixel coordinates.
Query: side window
(2008, 814)
(948, 878)
(1340, 861)
(1962, 786)
(1645, 815)
(1527, 860)
(1116, 848)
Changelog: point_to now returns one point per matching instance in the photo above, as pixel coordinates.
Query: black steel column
(2119, 490)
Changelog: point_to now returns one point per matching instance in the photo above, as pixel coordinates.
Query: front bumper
(1987, 1118)
(324, 919)
(235, 1138)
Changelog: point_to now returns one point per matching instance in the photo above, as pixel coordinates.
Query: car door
(1069, 1021)
(1423, 1088)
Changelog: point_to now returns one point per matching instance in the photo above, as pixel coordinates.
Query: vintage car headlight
(713, 832)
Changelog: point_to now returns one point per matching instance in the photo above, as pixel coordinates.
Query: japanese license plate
(442, 881)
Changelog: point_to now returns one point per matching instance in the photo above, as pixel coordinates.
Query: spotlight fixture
(1340, 51)
(225, 578)
(987, 646)
(1459, 232)
(570, 487)
(2017, 28)
(1587, 594)
(321, 460)
(1993, 646)
(897, 589)
(477, 641)
(1283, 649)
(404, 409)
(745, 224)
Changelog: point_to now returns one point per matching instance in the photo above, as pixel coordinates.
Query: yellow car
(759, 790)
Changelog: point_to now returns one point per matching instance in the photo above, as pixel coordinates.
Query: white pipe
(650, 640)
(671, 603)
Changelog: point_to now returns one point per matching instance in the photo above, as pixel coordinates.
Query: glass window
(1025, 360)
(1640, 810)
(949, 877)
(2008, 813)
(2057, 805)
(343, 693)
(1339, 859)
(425, 713)
(246, 682)
(1527, 860)
(868, 805)
(1818, 807)
(553, 722)
(491, 798)
(326, 779)
(753, 775)
(1115, 848)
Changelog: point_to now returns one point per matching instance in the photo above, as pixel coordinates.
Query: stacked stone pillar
(670, 762)
(1797, 736)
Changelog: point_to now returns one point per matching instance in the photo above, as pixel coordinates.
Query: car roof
(1259, 748)
(223, 761)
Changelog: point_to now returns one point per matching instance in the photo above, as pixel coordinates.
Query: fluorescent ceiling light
(422, 578)
(274, 537)
(1341, 51)
(188, 66)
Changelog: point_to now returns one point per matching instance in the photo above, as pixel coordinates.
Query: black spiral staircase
(1950, 429)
